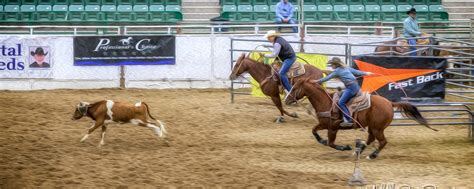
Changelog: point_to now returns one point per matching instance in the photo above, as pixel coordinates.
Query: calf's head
(81, 110)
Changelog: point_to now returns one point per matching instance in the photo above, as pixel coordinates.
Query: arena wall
(201, 62)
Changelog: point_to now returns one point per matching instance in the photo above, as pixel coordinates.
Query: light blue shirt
(410, 28)
(284, 10)
(345, 74)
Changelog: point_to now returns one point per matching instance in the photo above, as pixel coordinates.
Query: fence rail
(372, 31)
(457, 29)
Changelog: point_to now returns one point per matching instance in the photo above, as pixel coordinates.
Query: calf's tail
(162, 126)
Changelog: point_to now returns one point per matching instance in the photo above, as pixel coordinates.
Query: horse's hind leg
(332, 137)
(380, 136)
(316, 135)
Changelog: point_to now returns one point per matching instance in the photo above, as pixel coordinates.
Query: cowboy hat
(271, 33)
(412, 10)
(337, 62)
(38, 51)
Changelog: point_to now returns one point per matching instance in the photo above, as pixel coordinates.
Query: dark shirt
(286, 50)
(36, 65)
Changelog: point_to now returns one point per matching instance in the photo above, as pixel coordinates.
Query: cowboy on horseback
(346, 75)
(283, 50)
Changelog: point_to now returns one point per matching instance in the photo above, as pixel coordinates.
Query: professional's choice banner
(404, 78)
(124, 50)
(27, 56)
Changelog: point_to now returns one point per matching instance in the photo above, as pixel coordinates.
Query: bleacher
(336, 10)
(90, 11)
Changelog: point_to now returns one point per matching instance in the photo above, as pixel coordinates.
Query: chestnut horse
(262, 73)
(376, 118)
(401, 49)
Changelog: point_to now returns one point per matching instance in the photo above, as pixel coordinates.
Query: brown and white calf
(107, 111)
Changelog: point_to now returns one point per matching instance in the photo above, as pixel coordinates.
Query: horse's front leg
(277, 101)
(332, 138)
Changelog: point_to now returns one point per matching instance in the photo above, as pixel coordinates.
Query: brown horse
(376, 118)
(262, 73)
(403, 47)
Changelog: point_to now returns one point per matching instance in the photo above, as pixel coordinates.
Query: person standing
(411, 30)
(284, 14)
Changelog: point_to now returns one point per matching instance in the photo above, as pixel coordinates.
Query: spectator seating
(336, 10)
(90, 11)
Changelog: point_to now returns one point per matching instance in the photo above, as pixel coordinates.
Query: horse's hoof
(373, 156)
(279, 120)
(347, 148)
(323, 142)
(294, 115)
(343, 148)
(368, 157)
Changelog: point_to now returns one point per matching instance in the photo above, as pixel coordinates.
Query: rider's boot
(346, 123)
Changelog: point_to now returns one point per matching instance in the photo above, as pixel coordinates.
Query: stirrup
(346, 124)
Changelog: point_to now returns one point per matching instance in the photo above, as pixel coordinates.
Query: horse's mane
(247, 57)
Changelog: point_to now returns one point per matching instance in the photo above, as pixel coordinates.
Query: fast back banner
(124, 50)
(404, 78)
(27, 56)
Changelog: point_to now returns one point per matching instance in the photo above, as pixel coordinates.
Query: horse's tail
(412, 112)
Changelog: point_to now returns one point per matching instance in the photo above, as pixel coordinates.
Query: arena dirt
(213, 144)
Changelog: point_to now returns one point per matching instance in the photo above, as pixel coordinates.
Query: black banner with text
(404, 78)
(124, 50)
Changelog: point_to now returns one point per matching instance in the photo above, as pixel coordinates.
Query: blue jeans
(350, 91)
(284, 68)
(412, 42)
(290, 21)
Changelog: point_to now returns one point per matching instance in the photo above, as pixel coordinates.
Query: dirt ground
(213, 144)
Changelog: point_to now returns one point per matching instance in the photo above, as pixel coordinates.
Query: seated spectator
(284, 14)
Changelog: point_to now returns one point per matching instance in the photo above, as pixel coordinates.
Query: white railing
(216, 29)
(372, 31)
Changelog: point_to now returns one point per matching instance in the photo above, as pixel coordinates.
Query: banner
(404, 78)
(318, 61)
(124, 50)
(27, 57)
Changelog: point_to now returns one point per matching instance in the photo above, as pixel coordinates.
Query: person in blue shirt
(284, 14)
(283, 50)
(411, 29)
(346, 75)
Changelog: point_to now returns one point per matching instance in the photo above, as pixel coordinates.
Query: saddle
(297, 69)
(403, 46)
(358, 103)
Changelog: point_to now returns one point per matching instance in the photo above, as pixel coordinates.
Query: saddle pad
(358, 103)
(297, 69)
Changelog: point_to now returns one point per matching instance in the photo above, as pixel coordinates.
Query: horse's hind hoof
(343, 148)
(323, 142)
(294, 115)
(347, 148)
